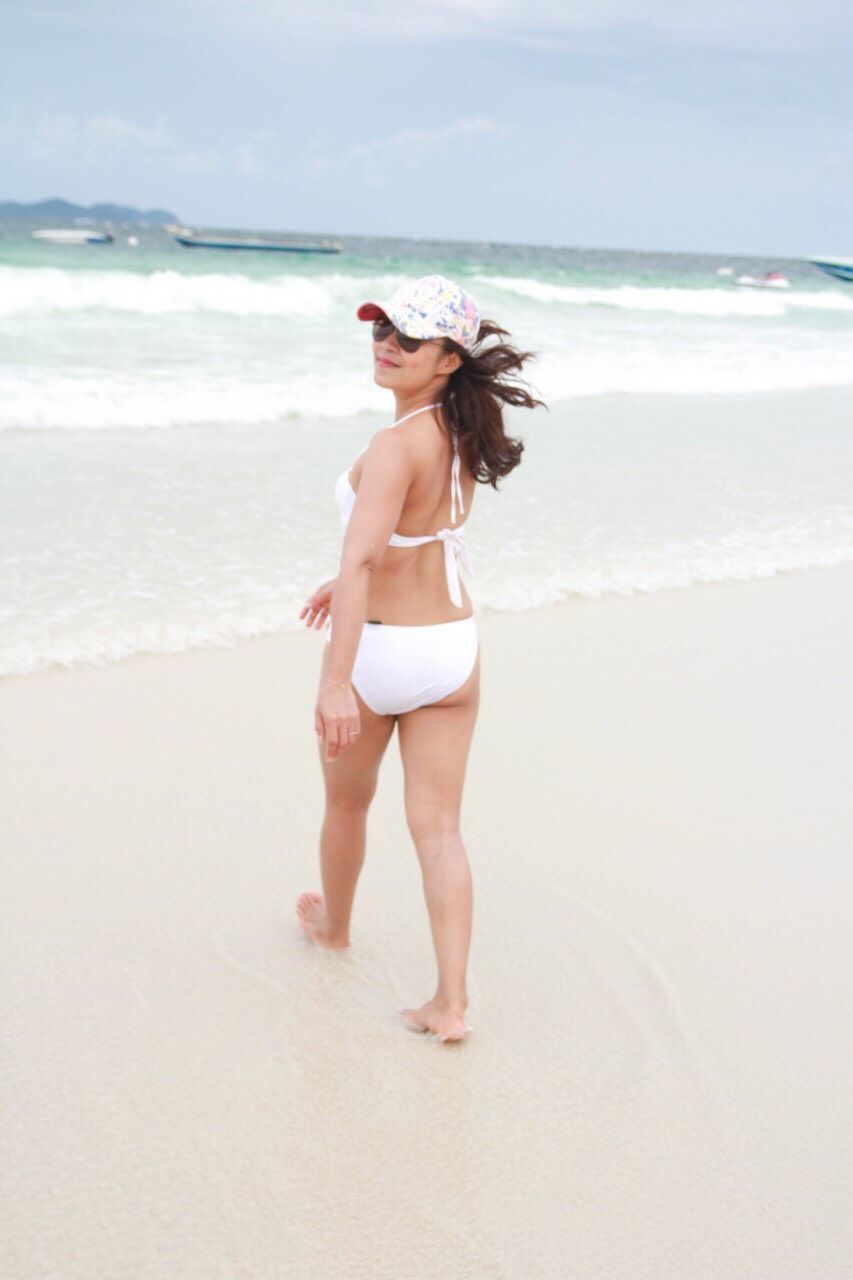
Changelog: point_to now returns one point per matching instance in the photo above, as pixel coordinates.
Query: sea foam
(727, 300)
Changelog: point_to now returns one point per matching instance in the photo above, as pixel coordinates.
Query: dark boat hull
(197, 242)
(840, 268)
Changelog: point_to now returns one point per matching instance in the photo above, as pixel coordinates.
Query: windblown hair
(473, 399)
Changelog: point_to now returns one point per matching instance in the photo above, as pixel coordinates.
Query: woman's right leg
(350, 782)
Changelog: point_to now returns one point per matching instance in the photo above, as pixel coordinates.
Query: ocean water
(172, 422)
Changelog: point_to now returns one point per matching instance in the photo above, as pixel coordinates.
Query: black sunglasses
(384, 328)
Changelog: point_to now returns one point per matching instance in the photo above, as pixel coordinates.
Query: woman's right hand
(336, 719)
(315, 610)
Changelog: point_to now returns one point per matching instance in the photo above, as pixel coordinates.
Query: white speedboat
(770, 280)
(840, 268)
(73, 235)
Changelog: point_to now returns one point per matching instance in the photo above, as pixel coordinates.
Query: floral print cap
(430, 307)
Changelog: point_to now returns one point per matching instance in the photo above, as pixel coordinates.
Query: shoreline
(480, 612)
(615, 496)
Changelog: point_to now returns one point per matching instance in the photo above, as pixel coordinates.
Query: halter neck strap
(414, 411)
(455, 486)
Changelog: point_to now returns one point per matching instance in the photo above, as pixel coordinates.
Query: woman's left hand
(336, 719)
(315, 610)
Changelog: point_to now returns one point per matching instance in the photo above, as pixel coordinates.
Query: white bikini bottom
(399, 668)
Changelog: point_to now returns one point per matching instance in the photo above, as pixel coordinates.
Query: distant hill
(49, 210)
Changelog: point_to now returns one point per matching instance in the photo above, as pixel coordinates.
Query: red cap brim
(371, 311)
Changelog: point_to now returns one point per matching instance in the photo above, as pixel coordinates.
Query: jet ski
(770, 280)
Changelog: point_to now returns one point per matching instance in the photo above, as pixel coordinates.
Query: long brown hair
(473, 399)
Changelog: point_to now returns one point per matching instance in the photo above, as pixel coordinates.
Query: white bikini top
(454, 547)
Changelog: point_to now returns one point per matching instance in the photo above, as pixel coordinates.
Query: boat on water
(840, 268)
(192, 240)
(770, 280)
(73, 235)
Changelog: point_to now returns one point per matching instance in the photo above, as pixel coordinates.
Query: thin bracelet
(337, 682)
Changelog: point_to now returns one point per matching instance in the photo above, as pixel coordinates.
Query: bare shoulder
(389, 453)
(388, 442)
(406, 451)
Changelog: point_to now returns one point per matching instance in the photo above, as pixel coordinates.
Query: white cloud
(115, 131)
(90, 140)
(549, 24)
(49, 134)
(57, 131)
(791, 24)
(249, 157)
(410, 147)
(413, 143)
(197, 161)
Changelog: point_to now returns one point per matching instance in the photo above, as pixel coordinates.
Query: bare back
(409, 586)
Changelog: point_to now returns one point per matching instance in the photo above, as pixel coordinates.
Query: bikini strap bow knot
(454, 546)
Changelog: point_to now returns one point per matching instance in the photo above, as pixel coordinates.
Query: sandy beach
(658, 815)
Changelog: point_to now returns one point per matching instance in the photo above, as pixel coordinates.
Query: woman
(402, 639)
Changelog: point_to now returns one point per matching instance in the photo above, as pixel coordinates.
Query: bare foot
(447, 1025)
(311, 911)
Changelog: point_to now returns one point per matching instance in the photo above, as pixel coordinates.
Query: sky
(635, 124)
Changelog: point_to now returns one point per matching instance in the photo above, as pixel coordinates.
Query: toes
(411, 1020)
(454, 1039)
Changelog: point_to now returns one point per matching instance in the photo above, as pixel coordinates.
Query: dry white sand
(658, 817)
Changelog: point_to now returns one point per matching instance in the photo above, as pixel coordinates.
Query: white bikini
(400, 668)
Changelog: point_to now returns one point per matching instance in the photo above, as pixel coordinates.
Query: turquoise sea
(172, 421)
